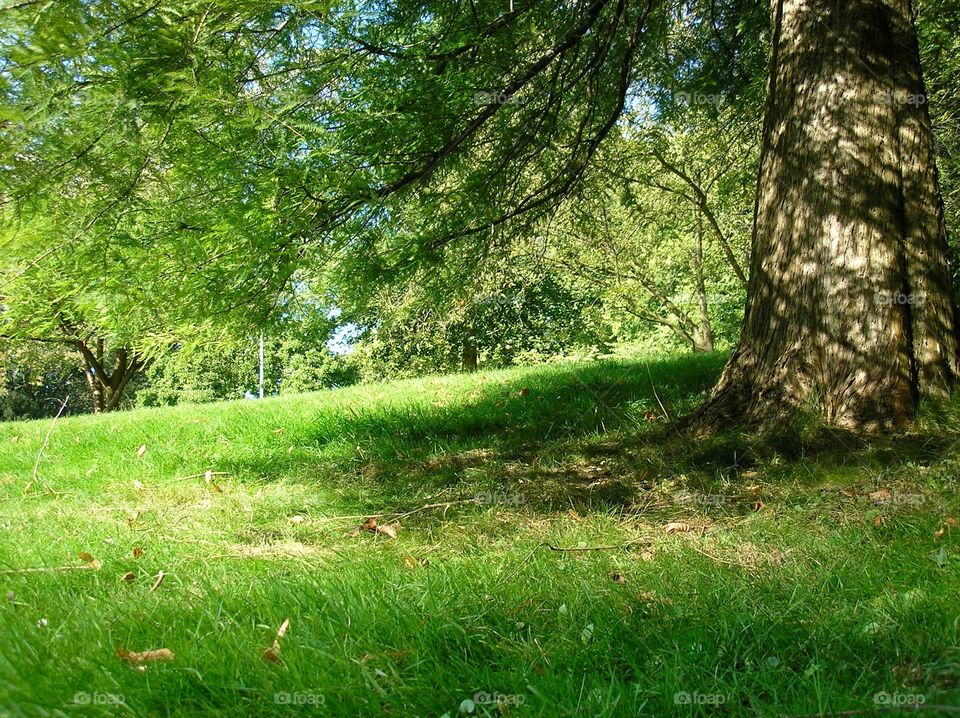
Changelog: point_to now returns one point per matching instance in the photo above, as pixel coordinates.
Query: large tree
(850, 306)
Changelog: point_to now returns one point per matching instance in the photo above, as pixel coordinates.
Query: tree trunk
(703, 341)
(469, 355)
(850, 309)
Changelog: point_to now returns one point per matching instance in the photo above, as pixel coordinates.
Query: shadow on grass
(590, 436)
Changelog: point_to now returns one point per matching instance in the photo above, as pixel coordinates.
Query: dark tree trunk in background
(469, 355)
(703, 340)
(850, 309)
(107, 388)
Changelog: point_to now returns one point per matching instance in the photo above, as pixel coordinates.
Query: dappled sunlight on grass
(531, 510)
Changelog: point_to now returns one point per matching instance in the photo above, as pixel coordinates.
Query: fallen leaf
(878, 521)
(215, 488)
(156, 584)
(157, 654)
(272, 654)
(618, 578)
(137, 552)
(128, 576)
(294, 520)
(753, 487)
(574, 515)
(676, 527)
(89, 560)
(880, 496)
(524, 392)
(749, 474)
(648, 553)
(410, 561)
(132, 518)
(649, 416)
(388, 530)
(757, 505)
(142, 450)
(938, 534)
(373, 526)
(950, 521)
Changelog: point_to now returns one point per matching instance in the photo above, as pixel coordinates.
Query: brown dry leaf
(128, 576)
(649, 416)
(648, 553)
(89, 560)
(156, 584)
(618, 578)
(950, 521)
(410, 561)
(938, 534)
(294, 520)
(574, 515)
(524, 392)
(157, 654)
(272, 654)
(676, 527)
(131, 518)
(389, 530)
(878, 521)
(753, 487)
(142, 450)
(879, 496)
(757, 505)
(137, 552)
(282, 631)
(373, 526)
(215, 488)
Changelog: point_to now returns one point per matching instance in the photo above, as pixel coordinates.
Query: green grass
(794, 593)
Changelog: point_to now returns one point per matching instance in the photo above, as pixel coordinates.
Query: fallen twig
(43, 569)
(46, 440)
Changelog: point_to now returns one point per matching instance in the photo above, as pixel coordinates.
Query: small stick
(595, 548)
(42, 569)
(46, 440)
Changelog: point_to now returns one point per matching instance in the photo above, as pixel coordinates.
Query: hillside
(546, 545)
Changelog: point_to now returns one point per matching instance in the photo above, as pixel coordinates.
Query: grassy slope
(817, 601)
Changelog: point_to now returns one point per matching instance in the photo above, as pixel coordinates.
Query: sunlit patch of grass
(531, 563)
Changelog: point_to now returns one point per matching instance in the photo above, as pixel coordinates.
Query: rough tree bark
(850, 309)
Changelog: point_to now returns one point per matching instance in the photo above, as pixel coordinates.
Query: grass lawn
(522, 563)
